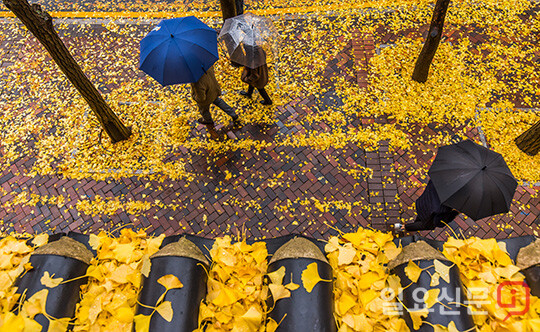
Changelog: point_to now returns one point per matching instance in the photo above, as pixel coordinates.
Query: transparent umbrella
(248, 38)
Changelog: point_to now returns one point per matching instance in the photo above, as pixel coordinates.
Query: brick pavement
(274, 191)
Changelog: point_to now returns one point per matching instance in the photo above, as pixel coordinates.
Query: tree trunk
(228, 9)
(40, 24)
(421, 69)
(529, 141)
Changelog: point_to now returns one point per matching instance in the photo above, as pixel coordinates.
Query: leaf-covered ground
(348, 141)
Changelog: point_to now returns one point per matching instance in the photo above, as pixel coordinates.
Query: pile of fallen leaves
(359, 265)
(14, 261)
(109, 299)
(502, 125)
(236, 293)
(494, 285)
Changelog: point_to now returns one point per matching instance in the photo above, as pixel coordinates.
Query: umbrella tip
(483, 168)
(172, 36)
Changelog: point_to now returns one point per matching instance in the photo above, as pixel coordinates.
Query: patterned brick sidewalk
(275, 191)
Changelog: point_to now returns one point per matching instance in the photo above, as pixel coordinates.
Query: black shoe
(397, 229)
(201, 121)
(264, 102)
(237, 123)
(245, 94)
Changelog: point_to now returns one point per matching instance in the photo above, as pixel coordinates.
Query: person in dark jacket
(430, 212)
(206, 91)
(256, 78)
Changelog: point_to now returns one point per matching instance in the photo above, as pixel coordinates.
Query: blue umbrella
(178, 50)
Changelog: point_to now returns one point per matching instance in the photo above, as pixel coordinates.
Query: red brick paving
(206, 205)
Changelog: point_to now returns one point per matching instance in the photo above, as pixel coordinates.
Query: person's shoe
(397, 229)
(237, 123)
(245, 94)
(201, 121)
(264, 102)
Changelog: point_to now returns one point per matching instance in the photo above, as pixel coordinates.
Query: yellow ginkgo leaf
(507, 272)
(165, 310)
(5, 281)
(122, 273)
(94, 241)
(413, 271)
(443, 270)
(259, 256)
(142, 323)
(277, 276)
(431, 297)
(146, 265)
(292, 286)
(279, 291)
(392, 251)
(225, 296)
(12, 322)
(310, 277)
(124, 314)
(452, 327)
(225, 257)
(271, 325)
(502, 246)
(332, 245)
(40, 239)
(346, 254)
(58, 325)
(49, 281)
(501, 257)
(170, 281)
(417, 316)
(355, 238)
(394, 282)
(253, 318)
(439, 328)
(30, 325)
(435, 279)
(35, 304)
(344, 303)
(123, 252)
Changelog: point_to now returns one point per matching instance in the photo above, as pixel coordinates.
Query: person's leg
(239, 7)
(266, 97)
(420, 225)
(205, 113)
(226, 108)
(249, 92)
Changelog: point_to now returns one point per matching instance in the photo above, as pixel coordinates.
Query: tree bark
(529, 141)
(40, 24)
(228, 9)
(421, 69)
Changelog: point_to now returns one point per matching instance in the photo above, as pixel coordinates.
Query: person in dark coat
(256, 78)
(430, 212)
(206, 91)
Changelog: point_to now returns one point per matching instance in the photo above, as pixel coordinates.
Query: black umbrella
(472, 179)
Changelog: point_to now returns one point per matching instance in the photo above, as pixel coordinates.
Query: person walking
(206, 91)
(430, 212)
(256, 78)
